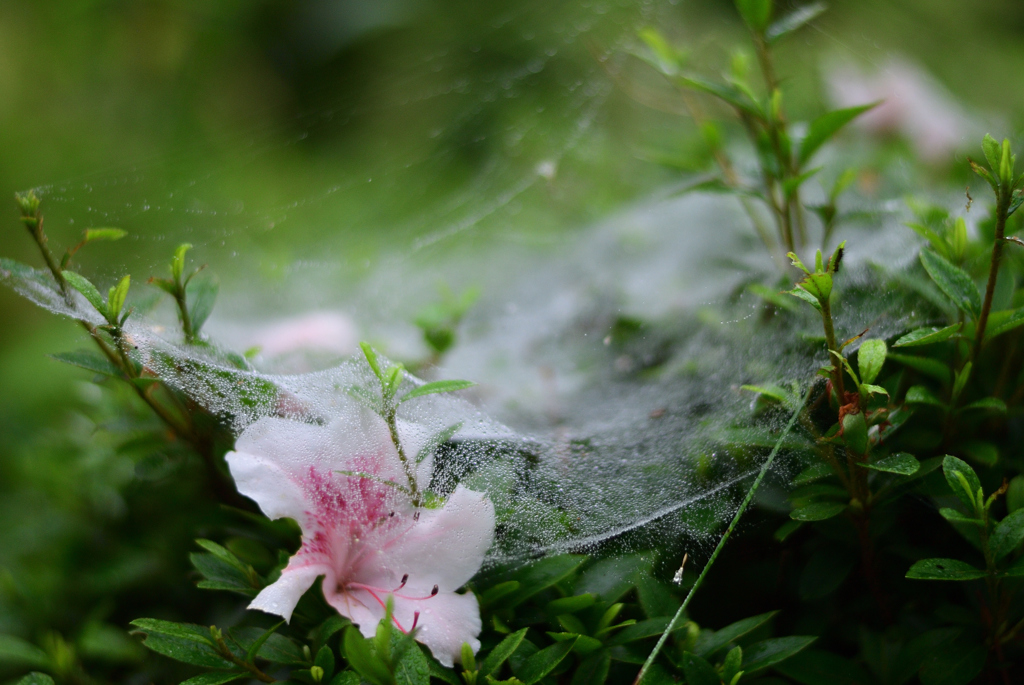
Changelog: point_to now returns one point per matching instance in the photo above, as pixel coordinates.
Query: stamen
(415, 620)
(405, 579)
(434, 591)
(416, 516)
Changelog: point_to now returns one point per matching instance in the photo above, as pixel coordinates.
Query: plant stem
(392, 422)
(1002, 209)
(830, 342)
(226, 653)
(721, 543)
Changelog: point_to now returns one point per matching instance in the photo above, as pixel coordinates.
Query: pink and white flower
(345, 485)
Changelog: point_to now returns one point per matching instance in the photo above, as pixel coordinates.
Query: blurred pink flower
(914, 105)
(322, 331)
(362, 532)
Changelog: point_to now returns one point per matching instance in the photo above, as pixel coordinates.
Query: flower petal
(262, 480)
(445, 547)
(281, 596)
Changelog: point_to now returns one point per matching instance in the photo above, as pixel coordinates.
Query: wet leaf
(962, 480)
(818, 511)
(436, 387)
(216, 678)
(698, 671)
(202, 292)
(870, 358)
(544, 661)
(901, 463)
(501, 652)
(1008, 535)
(944, 569)
(952, 281)
(89, 360)
(88, 290)
(709, 642)
(796, 19)
(929, 335)
(769, 652)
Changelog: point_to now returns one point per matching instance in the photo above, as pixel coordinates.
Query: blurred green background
(251, 127)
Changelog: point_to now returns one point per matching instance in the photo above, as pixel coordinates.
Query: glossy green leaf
(727, 93)
(493, 594)
(436, 387)
(1008, 535)
(944, 569)
(870, 358)
(818, 511)
(501, 652)
(952, 281)
(929, 335)
(709, 642)
(181, 641)
(962, 480)
(88, 290)
(900, 463)
(544, 661)
(826, 126)
(954, 516)
(117, 296)
(570, 605)
(796, 19)
(275, 647)
(761, 655)
(542, 575)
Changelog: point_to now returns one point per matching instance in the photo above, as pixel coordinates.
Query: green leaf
(791, 185)
(644, 629)
(216, 678)
(729, 94)
(1003, 321)
(92, 234)
(900, 463)
(870, 358)
(920, 394)
(952, 281)
(202, 294)
(769, 652)
(993, 151)
(116, 297)
(570, 605)
(794, 20)
(436, 440)
(88, 360)
(178, 261)
(1008, 535)
(412, 667)
(255, 647)
(593, 670)
(756, 13)
(818, 511)
(88, 290)
(926, 365)
(493, 594)
(668, 59)
(944, 569)
(698, 671)
(181, 641)
(962, 480)
(954, 516)
(934, 239)
(987, 404)
(364, 659)
(35, 678)
(501, 652)
(542, 575)
(544, 661)
(826, 126)
(805, 296)
(435, 387)
(709, 642)
(276, 648)
(17, 652)
(929, 335)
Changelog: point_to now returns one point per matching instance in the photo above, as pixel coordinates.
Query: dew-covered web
(612, 334)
